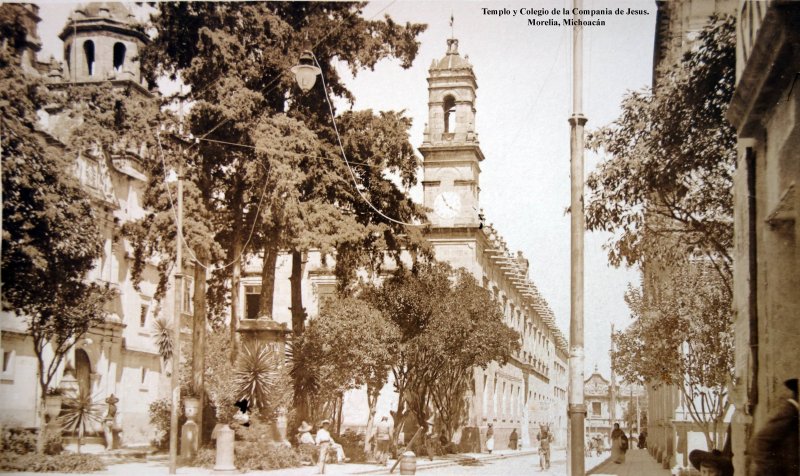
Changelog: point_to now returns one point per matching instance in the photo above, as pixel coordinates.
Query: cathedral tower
(102, 42)
(450, 149)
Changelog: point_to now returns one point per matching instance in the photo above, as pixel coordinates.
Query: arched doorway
(83, 372)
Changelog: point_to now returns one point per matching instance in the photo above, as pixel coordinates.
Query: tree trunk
(236, 272)
(42, 425)
(372, 401)
(199, 335)
(296, 280)
(339, 407)
(268, 280)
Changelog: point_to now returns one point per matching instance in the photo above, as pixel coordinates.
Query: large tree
(665, 191)
(683, 338)
(352, 345)
(448, 326)
(666, 194)
(236, 60)
(50, 239)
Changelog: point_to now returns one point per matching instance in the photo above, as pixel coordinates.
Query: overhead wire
(344, 155)
(175, 215)
(341, 147)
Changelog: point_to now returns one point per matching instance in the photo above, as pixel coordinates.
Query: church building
(531, 389)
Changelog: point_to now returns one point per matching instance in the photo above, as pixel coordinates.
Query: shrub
(68, 463)
(160, 418)
(205, 458)
(259, 456)
(18, 441)
(353, 446)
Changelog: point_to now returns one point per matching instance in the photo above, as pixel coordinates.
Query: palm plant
(256, 374)
(80, 413)
(163, 337)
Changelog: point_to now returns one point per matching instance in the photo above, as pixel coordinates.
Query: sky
(523, 102)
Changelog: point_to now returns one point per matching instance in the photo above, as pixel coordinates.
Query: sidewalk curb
(452, 462)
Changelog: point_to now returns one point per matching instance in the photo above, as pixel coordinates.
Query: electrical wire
(344, 156)
(279, 151)
(175, 214)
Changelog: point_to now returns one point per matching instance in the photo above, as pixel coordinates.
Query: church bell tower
(450, 150)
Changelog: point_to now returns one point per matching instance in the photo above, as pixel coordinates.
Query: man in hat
(304, 434)
(711, 463)
(774, 448)
(324, 441)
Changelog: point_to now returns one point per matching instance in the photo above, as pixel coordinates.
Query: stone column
(265, 331)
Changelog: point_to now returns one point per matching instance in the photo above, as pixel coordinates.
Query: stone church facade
(120, 357)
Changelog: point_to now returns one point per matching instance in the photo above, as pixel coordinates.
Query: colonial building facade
(120, 357)
(766, 113)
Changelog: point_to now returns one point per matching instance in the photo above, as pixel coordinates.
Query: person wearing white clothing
(324, 441)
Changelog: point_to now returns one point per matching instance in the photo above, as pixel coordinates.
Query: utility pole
(577, 406)
(613, 382)
(176, 319)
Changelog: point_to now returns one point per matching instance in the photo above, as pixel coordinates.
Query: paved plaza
(501, 463)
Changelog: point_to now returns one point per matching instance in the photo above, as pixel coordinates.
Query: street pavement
(500, 463)
(637, 463)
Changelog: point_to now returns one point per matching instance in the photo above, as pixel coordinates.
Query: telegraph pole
(577, 407)
(176, 317)
(613, 382)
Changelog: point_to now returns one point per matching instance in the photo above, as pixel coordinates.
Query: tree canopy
(683, 338)
(448, 325)
(666, 189)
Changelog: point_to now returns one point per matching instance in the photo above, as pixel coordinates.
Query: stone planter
(52, 406)
(191, 407)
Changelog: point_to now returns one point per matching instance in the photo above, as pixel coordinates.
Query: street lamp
(306, 72)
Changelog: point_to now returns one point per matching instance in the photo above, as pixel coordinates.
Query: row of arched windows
(89, 56)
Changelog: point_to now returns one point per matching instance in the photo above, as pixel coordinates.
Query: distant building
(766, 113)
(629, 409)
(101, 43)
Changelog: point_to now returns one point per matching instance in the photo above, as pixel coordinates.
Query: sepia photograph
(444, 237)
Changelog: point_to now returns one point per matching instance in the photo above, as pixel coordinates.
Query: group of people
(323, 441)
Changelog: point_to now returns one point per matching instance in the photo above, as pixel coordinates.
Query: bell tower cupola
(102, 42)
(450, 149)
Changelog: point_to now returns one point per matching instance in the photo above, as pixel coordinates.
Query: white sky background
(523, 102)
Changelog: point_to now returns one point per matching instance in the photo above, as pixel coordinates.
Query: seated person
(324, 436)
(305, 442)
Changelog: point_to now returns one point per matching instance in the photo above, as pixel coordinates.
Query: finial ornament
(452, 46)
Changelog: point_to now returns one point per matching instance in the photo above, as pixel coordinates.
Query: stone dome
(106, 10)
(451, 60)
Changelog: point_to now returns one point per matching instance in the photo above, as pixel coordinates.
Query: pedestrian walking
(513, 439)
(382, 439)
(323, 442)
(545, 438)
(619, 444)
(490, 439)
(774, 448)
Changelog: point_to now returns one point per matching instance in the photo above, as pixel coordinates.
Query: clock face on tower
(447, 205)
